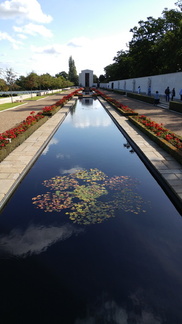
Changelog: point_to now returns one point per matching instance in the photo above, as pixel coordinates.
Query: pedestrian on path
(156, 98)
(149, 91)
(139, 89)
(180, 93)
(167, 93)
(173, 93)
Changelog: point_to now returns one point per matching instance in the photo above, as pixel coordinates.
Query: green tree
(10, 77)
(95, 78)
(21, 82)
(170, 45)
(72, 74)
(31, 81)
(155, 48)
(102, 78)
(46, 81)
(63, 74)
(3, 85)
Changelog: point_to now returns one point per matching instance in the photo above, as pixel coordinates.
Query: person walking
(167, 93)
(173, 93)
(149, 91)
(180, 93)
(139, 89)
(156, 98)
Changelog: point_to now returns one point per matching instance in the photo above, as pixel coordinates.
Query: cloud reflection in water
(108, 311)
(87, 122)
(35, 239)
(52, 141)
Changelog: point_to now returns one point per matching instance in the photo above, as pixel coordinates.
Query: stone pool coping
(17, 164)
(162, 166)
(166, 170)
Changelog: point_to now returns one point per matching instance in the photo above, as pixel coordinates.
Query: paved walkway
(11, 117)
(170, 119)
(168, 171)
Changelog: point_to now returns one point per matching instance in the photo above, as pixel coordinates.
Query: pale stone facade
(86, 78)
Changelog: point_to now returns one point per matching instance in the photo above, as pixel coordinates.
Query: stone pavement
(170, 119)
(167, 170)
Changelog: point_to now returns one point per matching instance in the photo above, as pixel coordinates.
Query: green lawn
(9, 105)
(35, 98)
(14, 104)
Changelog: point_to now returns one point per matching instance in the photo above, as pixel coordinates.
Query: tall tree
(72, 74)
(31, 82)
(10, 77)
(155, 48)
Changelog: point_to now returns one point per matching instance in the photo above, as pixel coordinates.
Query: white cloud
(33, 29)
(22, 36)
(79, 42)
(48, 49)
(23, 9)
(35, 239)
(14, 42)
(93, 54)
(87, 53)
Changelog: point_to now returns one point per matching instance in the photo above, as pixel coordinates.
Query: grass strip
(9, 105)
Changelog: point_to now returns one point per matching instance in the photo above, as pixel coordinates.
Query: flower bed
(124, 110)
(166, 139)
(13, 137)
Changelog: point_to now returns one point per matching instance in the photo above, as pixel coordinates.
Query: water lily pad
(90, 196)
(91, 192)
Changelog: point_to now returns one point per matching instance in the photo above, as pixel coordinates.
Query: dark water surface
(89, 236)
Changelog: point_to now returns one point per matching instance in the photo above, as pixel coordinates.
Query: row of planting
(13, 137)
(124, 110)
(168, 140)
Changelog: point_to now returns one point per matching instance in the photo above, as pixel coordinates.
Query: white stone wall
(157, 82)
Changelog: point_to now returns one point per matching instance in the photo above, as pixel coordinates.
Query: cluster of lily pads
(90, 196)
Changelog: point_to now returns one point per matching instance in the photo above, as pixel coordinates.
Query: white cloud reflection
(85, 121)
(53, 141)
(35, 239)
(72, 170)
(63, 156)
(109, 312)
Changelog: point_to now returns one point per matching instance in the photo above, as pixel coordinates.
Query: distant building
(86, 78)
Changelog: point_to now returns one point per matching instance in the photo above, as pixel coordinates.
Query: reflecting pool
(89, 236)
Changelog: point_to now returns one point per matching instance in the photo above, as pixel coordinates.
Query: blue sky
(41, 35)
